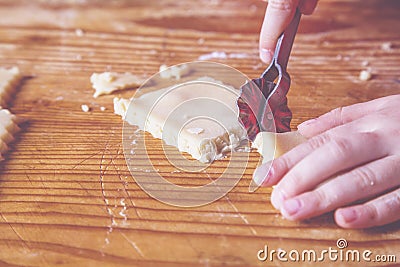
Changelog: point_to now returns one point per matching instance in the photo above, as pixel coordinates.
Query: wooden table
(68, 164)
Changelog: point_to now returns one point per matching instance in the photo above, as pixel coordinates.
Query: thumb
(278, 16)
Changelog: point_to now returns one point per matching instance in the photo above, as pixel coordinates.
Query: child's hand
(359, 146)
(277, 17)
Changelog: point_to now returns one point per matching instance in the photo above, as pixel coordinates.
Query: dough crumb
(200, 41)
(85, 108)
(387, 46)
(173, 72)
(102, 108)
(365, 75)
(108, 82)
(79, 32)
(365, 63)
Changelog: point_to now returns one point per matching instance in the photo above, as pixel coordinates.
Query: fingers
(340, 116)
(278, 15)
(380, 211)
(363, 182)
(335, 156)
(270, 174)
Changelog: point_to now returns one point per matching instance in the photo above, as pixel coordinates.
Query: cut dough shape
(273, 145)
(8, 128)
(169, 114)
(108, 82)
(8, 81)
(175, 71)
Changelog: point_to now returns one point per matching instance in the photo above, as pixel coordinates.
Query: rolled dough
(199, 117)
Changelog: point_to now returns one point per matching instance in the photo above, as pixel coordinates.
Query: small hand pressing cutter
(262, 103)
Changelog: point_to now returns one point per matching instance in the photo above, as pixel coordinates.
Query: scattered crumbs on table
(365, 63)
(365, 75)
(387, 46)
(79, 32)
(85, 108)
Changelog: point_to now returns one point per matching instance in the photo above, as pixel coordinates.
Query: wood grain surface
(65, 182)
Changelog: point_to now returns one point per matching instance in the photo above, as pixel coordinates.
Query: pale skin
(351, 161)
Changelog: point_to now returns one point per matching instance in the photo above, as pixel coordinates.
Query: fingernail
(291, 206)
(307, 123)
(349, 215)
(262, 175)
(266, 55)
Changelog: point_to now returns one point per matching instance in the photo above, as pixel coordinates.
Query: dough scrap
(365, 75)
(85, 108)
(121, 106)
(108, 82)
(175, 71)
(273, 145)
(154, 112)
(8, 129)
(8, 81)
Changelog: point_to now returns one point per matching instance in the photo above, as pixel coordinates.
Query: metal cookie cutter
(262, 102)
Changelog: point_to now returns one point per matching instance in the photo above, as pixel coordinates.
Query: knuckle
(378, 212)
(338, 114)
(340, 147)
(371, 212)
(297, 178)
(282, 5)
(372, 138)
(294, 182)
(317, 141)
(322, 201)
(365, 177)
(283, 163)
